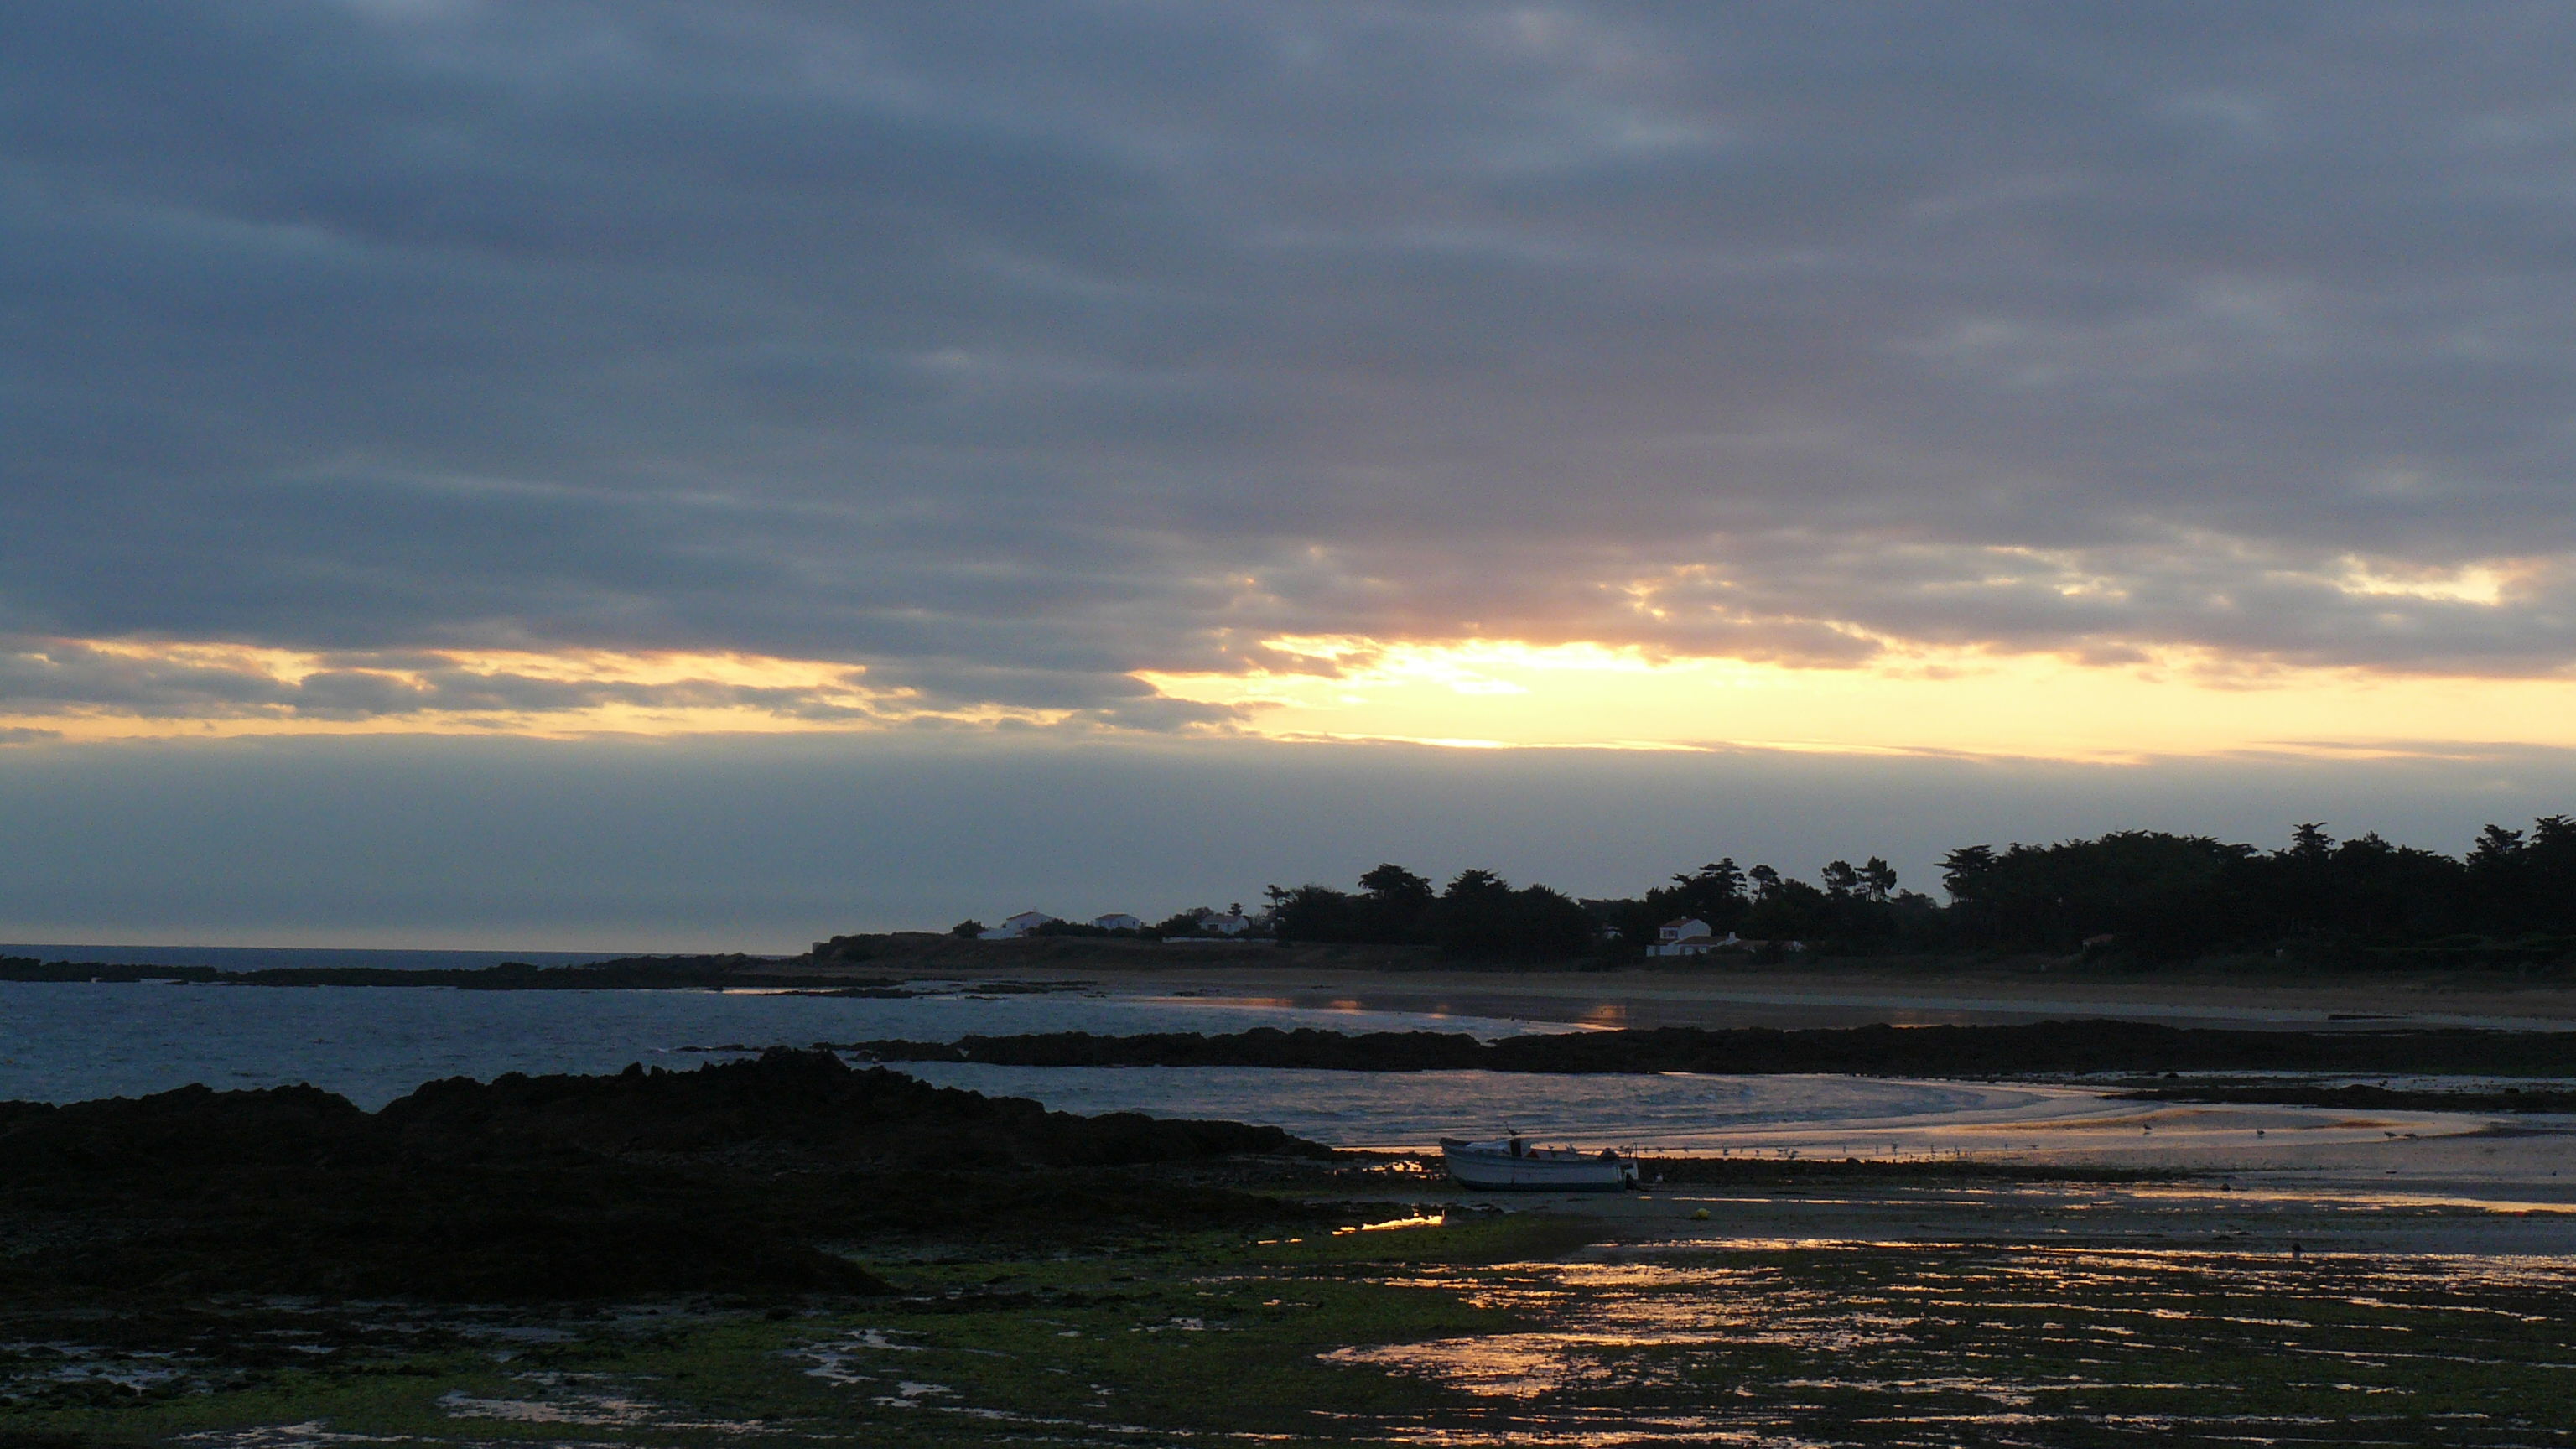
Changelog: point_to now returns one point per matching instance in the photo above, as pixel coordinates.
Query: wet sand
(2248, 1214)
(2456, 1153)
(2245, 1178)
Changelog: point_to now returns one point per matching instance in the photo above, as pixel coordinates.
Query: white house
(1230, 923)
(1118, 921)
(1017, 926)
(1222, 923)
(1687, 936)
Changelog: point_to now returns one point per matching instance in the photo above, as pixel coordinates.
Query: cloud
(70, 677)
(1004, 360)
(130, 683)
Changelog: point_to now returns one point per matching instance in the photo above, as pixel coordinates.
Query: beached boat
(1511, 1162)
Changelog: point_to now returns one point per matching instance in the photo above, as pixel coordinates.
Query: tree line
(2133, 893)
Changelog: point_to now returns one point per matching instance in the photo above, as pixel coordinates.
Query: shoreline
(1830, 994)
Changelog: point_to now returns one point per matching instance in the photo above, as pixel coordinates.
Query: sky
(495, 473)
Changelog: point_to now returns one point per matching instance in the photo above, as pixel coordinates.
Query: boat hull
(1494, 1170)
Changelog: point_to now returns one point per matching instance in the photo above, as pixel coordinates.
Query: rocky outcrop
(732, 1178)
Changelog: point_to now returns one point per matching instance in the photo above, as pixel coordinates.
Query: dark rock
(730, 1178)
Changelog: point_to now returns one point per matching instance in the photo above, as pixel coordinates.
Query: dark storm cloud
(1006, 349)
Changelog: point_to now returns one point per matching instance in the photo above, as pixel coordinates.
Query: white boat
(1512, 1163)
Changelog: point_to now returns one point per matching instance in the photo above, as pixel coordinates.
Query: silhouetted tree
(2553, 861)
(2155, 894)
(2496, 847)
(1396, 903)
(1392, 908)
(2542, 880)
(1719, 877)
(2325, 898)
(2153, 890)
(1394, 885)
(1840, 878)
(1878, 880)
(1789, 909)
(1481, 915)
(1964, 865)
(1714, 893)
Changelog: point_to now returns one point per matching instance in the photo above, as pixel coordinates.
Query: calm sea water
(261, 958)
(68, 1042)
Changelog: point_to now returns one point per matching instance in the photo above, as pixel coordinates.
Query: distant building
(1224, 923)
(1118, 921)
(1209, 923)
(1017, 926)
(1688, 936)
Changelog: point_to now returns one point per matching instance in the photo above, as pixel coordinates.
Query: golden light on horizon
(1506, 694)
(1472, 694)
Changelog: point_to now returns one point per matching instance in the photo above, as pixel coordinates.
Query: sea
(77, 1041)
(262, 958)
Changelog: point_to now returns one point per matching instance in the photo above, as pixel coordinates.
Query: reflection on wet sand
(1940, 1344)
(1830, 1116)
